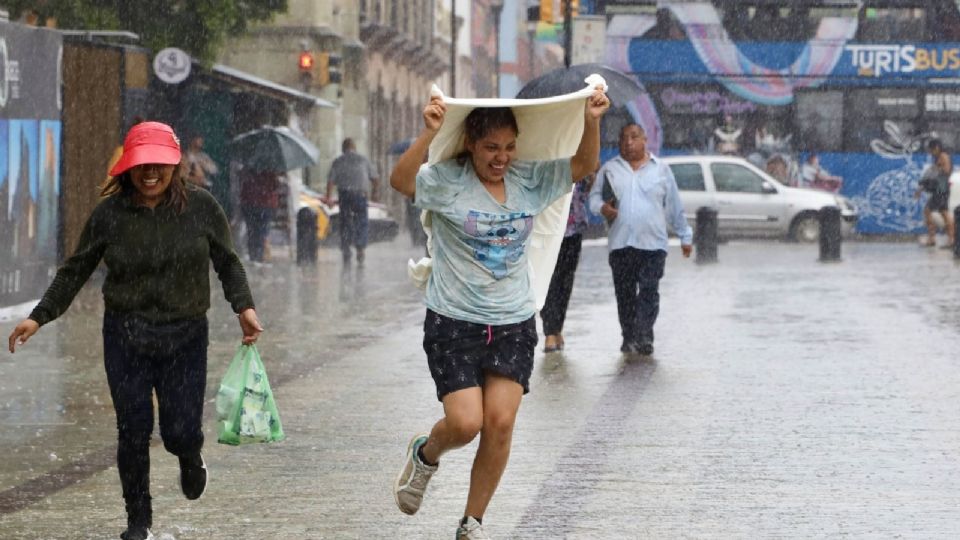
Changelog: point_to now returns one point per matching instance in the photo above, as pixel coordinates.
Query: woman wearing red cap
(155, 235)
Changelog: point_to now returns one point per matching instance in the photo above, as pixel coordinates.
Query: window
(874, 109)
(892, 24)
(820, 120)
(732, 178)
(689, 176)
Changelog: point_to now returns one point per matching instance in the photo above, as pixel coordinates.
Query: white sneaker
(412, 480)
(471, 530)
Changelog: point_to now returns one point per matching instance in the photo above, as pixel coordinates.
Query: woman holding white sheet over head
(480, 331)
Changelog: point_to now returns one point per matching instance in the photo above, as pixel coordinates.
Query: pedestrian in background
(936, 182)
(354, 177)
(199, 165)
(480, 332)
(554, 310)
(647, 201)
(156, 236)
(259, 200)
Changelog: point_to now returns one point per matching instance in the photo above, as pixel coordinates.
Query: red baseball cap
(148, 142)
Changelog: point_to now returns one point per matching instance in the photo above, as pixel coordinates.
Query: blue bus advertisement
(863, 111)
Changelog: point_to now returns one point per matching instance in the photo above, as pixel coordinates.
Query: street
(787, 398)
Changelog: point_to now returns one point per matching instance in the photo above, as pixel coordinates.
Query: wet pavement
(787, 398)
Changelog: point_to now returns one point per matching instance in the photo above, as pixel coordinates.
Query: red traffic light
(306, 61)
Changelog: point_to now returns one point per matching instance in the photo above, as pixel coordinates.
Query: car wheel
(806, 229)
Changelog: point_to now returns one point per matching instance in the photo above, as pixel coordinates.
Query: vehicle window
(689, 176)
(733, 178)
(820, 119)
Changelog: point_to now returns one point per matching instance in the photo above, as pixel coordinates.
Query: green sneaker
(412, 480)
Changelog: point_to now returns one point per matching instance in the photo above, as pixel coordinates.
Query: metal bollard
(705, 237)
(956, 237)
(306, 236)
(829, 233)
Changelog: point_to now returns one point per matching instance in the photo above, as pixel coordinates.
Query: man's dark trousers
(353, 221)
(636, 282)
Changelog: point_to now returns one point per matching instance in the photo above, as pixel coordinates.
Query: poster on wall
(30, 137)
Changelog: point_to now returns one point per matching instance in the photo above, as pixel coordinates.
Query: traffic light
(305, 62)
(546, 11)
(322, 69)
(553, 11)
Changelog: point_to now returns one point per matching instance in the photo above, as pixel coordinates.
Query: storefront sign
(172, 65)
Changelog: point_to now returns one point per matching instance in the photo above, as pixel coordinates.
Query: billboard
(30, 135)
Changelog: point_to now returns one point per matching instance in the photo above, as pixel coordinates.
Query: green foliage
(196, 26)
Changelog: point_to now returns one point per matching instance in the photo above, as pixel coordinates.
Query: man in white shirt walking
(639, 197)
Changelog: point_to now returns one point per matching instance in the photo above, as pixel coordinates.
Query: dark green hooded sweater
(156, 259)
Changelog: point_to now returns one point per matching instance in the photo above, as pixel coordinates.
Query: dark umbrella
(400, 147)
(621, 88)
(274, 148)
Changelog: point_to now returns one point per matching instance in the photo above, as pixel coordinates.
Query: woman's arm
(587, 158)
(66, 284)
(404, 175)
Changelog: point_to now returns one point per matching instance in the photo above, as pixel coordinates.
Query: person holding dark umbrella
(259, 200)
(157, 236)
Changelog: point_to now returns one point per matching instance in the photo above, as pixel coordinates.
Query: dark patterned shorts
(459, 352)
(938, 202)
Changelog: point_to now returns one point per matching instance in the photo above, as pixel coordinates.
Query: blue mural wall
(30, 138)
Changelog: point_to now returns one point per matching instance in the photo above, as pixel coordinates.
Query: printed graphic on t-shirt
(497, 239)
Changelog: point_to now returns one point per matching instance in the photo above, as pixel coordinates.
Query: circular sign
(172, 65)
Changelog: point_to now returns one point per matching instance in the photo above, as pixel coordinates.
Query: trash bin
(307, 236)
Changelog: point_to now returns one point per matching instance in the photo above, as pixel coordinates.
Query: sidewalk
(787, 399)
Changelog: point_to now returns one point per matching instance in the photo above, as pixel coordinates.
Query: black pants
(258, 221)
(554, 310)
(141, 357)
(353, 220)
(636, 282)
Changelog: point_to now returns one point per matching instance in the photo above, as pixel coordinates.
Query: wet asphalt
(787, 398)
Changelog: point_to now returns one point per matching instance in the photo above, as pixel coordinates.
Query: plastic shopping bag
(246, 411)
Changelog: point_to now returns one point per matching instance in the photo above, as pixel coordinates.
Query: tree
(196, 26)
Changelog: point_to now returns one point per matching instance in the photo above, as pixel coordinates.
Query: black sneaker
(193, 476)
(645, 348)
(628, 347)
(137, 533)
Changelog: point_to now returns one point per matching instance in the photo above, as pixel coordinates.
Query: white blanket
(550, 128)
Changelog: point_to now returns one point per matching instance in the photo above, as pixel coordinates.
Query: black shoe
(193, 476)
(645, 348)
(137, 533)
(628, 347)
(360, 256)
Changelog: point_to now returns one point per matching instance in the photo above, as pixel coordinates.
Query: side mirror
(767, 188)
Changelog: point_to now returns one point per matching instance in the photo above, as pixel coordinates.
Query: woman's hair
(122, 185)
(482, 120)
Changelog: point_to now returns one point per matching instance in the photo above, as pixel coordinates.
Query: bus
(853, 90)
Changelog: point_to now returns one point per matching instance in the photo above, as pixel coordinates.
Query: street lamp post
(532, 35)
(567, 32)
(453, 48)
(496, 6)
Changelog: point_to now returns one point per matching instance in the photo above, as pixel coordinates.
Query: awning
(242, 78)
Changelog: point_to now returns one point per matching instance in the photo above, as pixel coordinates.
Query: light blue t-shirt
(480, 270)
